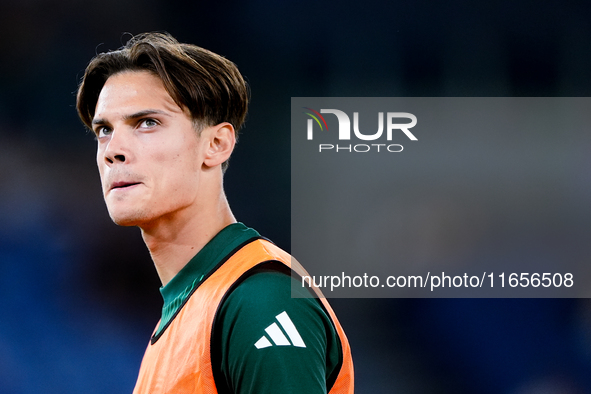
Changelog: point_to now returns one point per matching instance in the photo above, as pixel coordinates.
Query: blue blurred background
(79, 294)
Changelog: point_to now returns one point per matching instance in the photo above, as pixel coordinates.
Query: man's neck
(174, 240)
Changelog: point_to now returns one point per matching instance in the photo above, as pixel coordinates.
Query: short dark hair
(208, 85)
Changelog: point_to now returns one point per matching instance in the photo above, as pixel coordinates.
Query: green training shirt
(263, 341)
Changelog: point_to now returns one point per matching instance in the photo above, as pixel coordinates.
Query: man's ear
(221, 141)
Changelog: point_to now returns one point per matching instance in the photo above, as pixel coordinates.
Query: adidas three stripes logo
(277, 335)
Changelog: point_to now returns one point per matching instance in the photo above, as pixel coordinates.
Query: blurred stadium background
(80, 297)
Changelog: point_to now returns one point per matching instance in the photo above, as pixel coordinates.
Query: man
(166, 117)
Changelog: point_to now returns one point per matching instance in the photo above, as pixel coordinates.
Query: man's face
(149, 154)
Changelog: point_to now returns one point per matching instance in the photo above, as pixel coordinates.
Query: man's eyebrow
(98, 121)
(145, 112)
(136, 115)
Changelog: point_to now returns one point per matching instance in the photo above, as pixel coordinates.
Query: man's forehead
(131, 92)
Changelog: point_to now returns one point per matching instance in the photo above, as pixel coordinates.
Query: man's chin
(127, 219)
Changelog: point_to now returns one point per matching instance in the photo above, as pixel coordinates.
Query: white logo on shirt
(277, 335)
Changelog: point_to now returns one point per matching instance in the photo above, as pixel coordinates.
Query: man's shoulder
(269, 341)
(268, 292)
(267, 306)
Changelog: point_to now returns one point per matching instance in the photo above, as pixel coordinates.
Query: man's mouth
(123, 185)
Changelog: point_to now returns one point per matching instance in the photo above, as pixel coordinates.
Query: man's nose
(118, 148)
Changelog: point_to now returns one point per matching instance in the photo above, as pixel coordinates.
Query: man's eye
(148, 123)
(102, 131)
